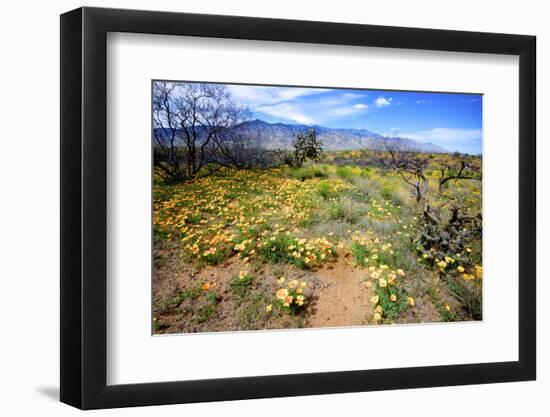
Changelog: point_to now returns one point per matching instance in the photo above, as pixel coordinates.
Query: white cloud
(353, 95)
(471, 100)
(442, 134)
(254, 96)
(293, 105)
(287, 111)
(341, 111)
(383, 102)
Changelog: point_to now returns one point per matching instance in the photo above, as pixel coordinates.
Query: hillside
(280, 136)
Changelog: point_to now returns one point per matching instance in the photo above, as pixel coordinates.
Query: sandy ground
(336, 296)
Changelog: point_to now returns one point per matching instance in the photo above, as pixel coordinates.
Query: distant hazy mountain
(280, 136)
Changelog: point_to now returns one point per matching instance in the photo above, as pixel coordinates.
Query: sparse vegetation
(246, 238)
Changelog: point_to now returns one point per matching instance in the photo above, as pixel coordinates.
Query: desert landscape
(262, 225)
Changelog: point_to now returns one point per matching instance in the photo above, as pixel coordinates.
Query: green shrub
(207, 310)
(376, 257)
(325, 190)
(194, 218)
(216, 255)
(366, 172)
(240, 286)
(160, 326)
(345, 172)
(386, 192)
(305, 172)
(303, 254)
(469, 292)
(190, 293)
(276, 249)
(335, 211)
(345, 210)
(359, 253)
(391, 309)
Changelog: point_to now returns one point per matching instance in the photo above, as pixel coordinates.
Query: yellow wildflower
(206, 286)
(282, 294)
(478, 271)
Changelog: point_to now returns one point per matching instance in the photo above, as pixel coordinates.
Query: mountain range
(281, 135)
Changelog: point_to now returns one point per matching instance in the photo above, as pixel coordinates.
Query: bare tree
(409, 165)
(458, 170)
(191, 121)
(167, 155)
(241, 148)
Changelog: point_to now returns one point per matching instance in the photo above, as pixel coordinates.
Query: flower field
(340, 242)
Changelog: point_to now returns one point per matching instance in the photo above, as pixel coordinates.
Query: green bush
(345, 210)
(386, 192)
(276, 249)
(217, 256)
(325, 190)
(366, 172)
(285, 248)
(207, 310)
(306, 173)
(359, 253)
(335, 211)
(240, 286)
(190, 294)
(391, 309)
(469, 292)
(345, 172)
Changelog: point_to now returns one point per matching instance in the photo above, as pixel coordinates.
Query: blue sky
(453, 121)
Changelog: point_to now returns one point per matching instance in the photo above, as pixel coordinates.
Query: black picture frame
(84, 207)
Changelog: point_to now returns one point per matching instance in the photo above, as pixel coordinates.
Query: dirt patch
(336, 297)
(188, 298)
(344, 300)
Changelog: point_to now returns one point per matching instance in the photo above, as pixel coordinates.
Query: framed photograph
(257, 208)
